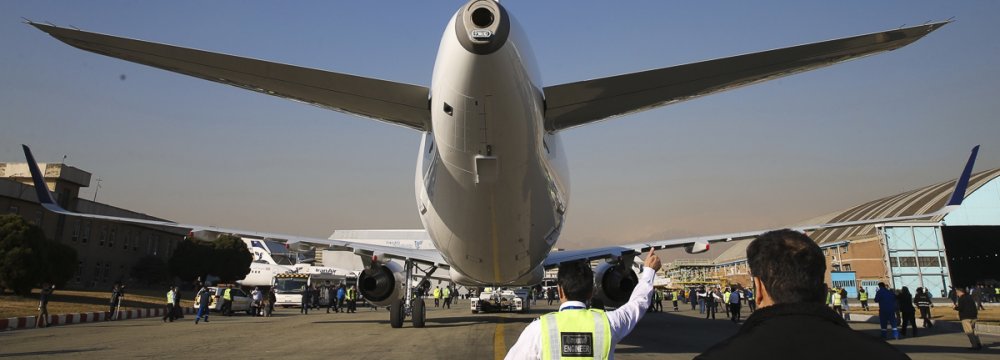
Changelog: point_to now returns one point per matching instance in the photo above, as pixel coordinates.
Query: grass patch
(77, 301)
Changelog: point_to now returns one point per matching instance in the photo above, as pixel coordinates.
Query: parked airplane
(491, 183)
(271, 257)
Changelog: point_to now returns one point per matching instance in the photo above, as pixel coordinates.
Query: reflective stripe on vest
(575, 334)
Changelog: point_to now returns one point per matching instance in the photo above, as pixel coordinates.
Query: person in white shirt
(576, 331)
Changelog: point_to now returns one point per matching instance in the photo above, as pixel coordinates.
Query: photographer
(43, 305)
(117, 296)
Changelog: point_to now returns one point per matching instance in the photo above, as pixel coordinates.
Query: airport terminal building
(961, 248)
(106, 251)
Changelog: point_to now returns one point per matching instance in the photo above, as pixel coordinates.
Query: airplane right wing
(703, 243)
(391, 102)
(48, 202)
(583, 102)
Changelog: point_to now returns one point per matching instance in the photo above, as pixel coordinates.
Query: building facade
(912, 254)
(106, 251)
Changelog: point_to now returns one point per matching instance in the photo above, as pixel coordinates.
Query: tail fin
(963, 181)
(45, 197)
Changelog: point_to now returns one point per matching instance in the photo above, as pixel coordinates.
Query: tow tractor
(501, 300)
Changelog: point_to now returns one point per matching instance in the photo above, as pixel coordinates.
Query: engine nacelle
(383, 284)
(614, 283)
(697, 247)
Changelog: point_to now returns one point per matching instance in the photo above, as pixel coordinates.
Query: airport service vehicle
(241, 300)
(491, 181)
(501, 300)
(288, 288)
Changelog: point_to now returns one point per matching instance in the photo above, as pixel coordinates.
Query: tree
(232, 258)
(227, 257)
(60, 263)
(27, 258)
(191, 259)
(150, 270)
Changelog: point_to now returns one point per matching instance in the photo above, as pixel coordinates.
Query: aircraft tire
(419, 313)
(396, 314)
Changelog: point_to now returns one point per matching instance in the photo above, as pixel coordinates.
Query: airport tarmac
(450, 334)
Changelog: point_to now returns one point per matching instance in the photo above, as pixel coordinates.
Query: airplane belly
(488, 195)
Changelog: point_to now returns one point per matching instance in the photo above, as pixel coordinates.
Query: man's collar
(571, 303)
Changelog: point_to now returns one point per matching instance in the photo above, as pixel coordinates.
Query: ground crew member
(169, 309)
(203, 298)
(863, 298)
(886, 300)
(677, 294)
(227, 301)
(304, 303)
(437, 295)
(574, 330)
(725, 301)
(446, 294)
(835, 300)
(352, 295)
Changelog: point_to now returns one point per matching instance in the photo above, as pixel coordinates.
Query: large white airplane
(491, 181)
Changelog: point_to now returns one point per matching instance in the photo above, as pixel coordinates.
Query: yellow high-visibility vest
(170, 297)
(576, 334)
(227, 295)
(863, 296)
(835, 298)
(437, 293)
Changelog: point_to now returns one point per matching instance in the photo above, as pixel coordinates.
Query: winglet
(41, 190)
(963, 182)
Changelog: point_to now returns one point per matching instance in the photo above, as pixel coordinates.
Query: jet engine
(382, 283)
(696, 247)
(614, 283)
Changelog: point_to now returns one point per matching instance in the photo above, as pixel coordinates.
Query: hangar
(960, 248)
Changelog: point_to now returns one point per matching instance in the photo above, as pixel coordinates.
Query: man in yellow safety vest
(227, 301)
(578, 332)
(437, 295)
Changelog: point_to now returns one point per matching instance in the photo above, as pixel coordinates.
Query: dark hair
(576, 279)
(790, 265)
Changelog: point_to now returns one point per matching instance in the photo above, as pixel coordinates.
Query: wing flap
(395, 103)
(579, 103)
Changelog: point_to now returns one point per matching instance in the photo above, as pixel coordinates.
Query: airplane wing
(703, 243)
(583, 102)
(395, 103)
(427, 257)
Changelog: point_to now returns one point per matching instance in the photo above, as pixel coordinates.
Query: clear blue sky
(757, 157)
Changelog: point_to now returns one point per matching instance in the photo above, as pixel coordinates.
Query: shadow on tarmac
(51, 352)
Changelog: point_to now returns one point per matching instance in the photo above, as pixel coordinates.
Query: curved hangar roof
(920, 201)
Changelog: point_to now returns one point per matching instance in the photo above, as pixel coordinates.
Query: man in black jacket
(968, 312)
(791, 321)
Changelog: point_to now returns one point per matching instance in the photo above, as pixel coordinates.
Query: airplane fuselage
(491, 182)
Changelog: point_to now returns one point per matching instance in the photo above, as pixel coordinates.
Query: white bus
(288, 288)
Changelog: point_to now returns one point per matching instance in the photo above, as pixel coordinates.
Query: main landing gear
(410, 304)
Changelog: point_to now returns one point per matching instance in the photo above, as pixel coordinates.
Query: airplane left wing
(45, 198)
(391, 102)
(703, 243)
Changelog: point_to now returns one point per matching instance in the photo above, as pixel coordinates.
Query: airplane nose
(482, 26)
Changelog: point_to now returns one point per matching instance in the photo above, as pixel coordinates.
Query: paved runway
(450, 334)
